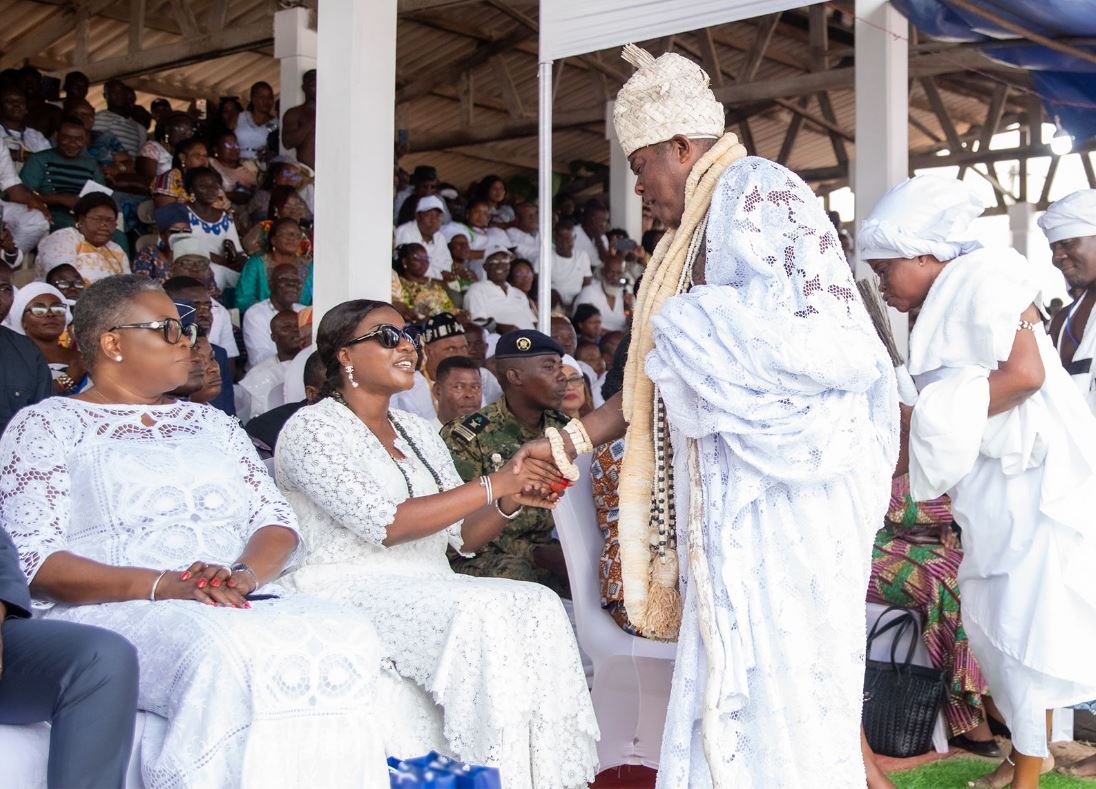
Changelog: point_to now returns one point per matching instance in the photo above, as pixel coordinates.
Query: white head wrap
(570, 361)
(189, 244)
(923, 215)
(1074, 216)
(666, 96)
(24, 296)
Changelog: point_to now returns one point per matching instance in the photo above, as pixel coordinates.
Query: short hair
(103, 305)
(275, 226)
(314, 372)
(93, 200)
(454, 363)
(279, 196)
(194, 173)
(424, 173)
(259, 85)
(583, 312)
(180, 283)
(593, 205)
(72, 120)
(563, 224)
(160, 103)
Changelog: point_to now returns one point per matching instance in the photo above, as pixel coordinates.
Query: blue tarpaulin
(1065, 83)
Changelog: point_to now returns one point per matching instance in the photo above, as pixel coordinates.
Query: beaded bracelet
(568, 469)
(579, 437)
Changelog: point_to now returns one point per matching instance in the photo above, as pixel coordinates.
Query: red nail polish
(185, 576)
(216, 582)
(201, 583)
(230, 582)
(247, 604)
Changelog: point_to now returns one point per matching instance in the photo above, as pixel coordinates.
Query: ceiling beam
(49, 32)
(448, 73)
(182, 53)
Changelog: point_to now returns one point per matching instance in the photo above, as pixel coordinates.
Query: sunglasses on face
(388, 336)
(172, 330)
(41, 311)
(69, 284)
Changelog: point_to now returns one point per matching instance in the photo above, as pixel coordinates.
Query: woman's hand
(212, 584)
(539, 449)
(536, 477)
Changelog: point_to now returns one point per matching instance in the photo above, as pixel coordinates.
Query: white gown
(773, 375)
(498, 656)
(278, 695)
(1022, 486)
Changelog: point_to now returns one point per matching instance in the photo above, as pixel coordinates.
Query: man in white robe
(749, 343)
(1070, 227)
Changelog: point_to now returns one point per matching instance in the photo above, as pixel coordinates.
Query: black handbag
(901, 700)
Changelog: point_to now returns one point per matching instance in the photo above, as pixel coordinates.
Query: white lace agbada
(278, 695)
(497, 656)
(778, 387)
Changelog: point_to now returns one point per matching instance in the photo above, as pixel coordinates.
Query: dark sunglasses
(41, 311)
(388, 336)
(171, 328)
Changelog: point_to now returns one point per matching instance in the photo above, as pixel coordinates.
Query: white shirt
(419, 399)
(8, 176)
(489, 385)
(221, 331)
(612, 318)
(568, 273)
(262, 389)
(213, 235)
(436, 248)
(30, 140)
(129, 132)
(525, 245)
(256, 331)
(583, 243)
(507, 306)
(252, 136)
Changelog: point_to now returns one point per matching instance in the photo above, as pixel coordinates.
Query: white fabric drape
(573, 27)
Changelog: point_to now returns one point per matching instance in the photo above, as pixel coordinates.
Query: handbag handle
(901, 623)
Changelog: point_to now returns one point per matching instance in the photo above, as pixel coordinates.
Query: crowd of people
(303, 557)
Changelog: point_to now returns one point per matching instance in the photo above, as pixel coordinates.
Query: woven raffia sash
(649, 577)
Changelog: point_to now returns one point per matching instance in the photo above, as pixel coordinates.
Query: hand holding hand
(212, 584)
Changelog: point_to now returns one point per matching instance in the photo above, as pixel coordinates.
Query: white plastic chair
(631, 678)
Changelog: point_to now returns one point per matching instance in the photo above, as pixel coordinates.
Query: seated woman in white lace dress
(156, 519)
(379, 500)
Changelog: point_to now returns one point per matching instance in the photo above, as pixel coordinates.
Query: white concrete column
(355, 117)
(625, 206)
(1021, 223)
(882, 117)
(295, 47)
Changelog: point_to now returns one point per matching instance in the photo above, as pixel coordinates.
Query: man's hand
(3, 616)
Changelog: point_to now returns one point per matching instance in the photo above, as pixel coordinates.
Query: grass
(955, 772)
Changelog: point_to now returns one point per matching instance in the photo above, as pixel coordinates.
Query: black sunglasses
(388, 336)
(171, 328)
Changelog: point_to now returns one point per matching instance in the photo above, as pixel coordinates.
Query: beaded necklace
(338, 398)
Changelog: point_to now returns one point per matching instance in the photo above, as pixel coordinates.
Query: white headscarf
(1074, 216)
(25, 296)
(667, 96)
(923, 215)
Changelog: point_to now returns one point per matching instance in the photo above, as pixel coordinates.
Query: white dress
(775, 381)
(1022, 486)
(278, 695)
(497, 656)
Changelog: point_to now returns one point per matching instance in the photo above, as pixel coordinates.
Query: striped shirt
(129, 132)
(48, 172)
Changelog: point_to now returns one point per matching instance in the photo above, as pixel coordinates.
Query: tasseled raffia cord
(648, 552)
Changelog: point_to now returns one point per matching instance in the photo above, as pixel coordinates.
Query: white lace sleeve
(440, 459)
(316, 457)
(268, 506)
(34, 489)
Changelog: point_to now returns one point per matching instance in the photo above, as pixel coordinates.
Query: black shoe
(999, 729)
(987, 748)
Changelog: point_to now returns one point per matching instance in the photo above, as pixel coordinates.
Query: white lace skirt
(278, 695)
(498, 656)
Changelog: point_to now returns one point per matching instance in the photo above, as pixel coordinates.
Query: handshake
(545, 467)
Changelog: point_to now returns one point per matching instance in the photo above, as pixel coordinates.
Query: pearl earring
(117, 358)
(350, 375)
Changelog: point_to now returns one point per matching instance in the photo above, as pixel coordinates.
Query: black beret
(526, 343)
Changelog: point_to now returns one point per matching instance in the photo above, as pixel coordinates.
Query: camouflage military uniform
(481, 444)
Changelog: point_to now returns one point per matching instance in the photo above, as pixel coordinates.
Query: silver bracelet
(512, 515)
(240, 567)
(160, 577)
(485, 481)
(1025, 325)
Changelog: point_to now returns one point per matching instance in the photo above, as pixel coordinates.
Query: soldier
(533, 384)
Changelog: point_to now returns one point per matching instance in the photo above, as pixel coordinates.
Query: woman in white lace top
(156, 519)
(379, 500)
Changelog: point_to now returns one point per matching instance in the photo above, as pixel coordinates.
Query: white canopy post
(882, 118)
(544, 192)
(295, 48)
(625, 206)
(355, 119)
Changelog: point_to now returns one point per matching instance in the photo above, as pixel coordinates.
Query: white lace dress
(791, 418)
(497, 656)
(278, 695)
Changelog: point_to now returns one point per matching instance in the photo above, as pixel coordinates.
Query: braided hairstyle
(337, 328)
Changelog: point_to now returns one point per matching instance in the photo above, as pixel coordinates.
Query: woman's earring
(117, 358)
(350, 375)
